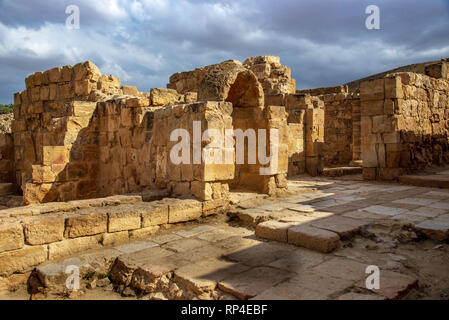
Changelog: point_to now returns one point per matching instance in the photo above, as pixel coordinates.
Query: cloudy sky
(325, 42)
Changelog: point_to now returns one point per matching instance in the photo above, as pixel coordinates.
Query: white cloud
(145, 41)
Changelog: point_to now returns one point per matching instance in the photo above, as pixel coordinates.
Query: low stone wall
(32, 235)
(405, 124)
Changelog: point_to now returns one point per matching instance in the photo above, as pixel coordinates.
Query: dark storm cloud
(325, 42)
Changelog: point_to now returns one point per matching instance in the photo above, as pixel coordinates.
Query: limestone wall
(435, 69)
(305, 131)
(341, 129)
(274, 77)
(405, 123)
(124, 133)
(48, 118)
(206, 181)
(341, 124)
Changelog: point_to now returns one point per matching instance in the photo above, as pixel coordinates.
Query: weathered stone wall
(51, 120)
(341, 125)
(206, 181)
(124, 132)
(305, 131)
(236, 83)
(435, 69)
(274, 77)
(78, 135)
(405, 123)
(341, 129)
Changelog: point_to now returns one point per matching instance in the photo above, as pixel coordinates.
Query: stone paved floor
(223, 258)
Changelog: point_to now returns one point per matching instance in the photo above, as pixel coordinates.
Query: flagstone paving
(315, 242)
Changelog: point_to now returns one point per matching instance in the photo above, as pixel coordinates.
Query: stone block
(144, 232)
(21, 260)
(125, 217)
(43, 229)
(372, 108)
(109, 239)
(11, 236)
(372, 90)
(161, 96)
(273, 230)
(153, 215)
(393, 88)
(137, 102)
(130, 90)
(184, 210)
(57, 250)
(54, 75)
(434, 229)
(313, 238)
(346, 228)
(201, 190)
(83, 108)
(86, 223)
(217, 172)
(214, 206)
(56, 155)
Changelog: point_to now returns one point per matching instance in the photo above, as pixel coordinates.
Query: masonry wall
(341, 124)
(206, 181)
(404, 124)
(305, 131)
(341, 129)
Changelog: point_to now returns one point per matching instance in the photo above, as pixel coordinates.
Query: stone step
(6, 188)
(341, 171)
(432, 181)
(322, 235)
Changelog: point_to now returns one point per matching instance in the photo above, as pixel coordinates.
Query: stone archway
(246, 96)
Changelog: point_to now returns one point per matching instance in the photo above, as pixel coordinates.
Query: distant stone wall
(341, 129)
(405, 124)
(323, 90)
(435, 69)
(341, 124)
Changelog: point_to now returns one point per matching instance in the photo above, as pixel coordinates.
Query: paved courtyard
(315, 242)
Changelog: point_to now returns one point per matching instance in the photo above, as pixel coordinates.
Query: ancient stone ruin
(78, 134)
